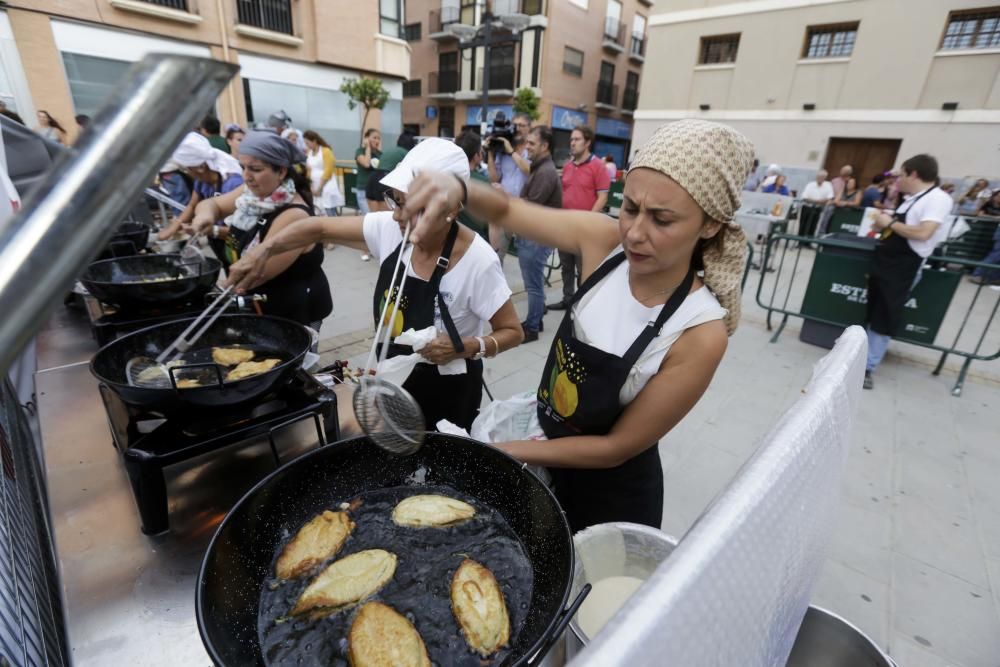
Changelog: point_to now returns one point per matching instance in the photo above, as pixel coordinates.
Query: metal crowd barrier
(835, 294)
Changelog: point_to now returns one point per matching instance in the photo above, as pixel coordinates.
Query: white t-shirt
(935, 206)
(609, 318)
(474, 287)
(817, 192)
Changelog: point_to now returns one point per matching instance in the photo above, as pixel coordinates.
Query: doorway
(867, 156)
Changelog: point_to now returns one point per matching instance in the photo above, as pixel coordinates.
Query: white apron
(330, 197)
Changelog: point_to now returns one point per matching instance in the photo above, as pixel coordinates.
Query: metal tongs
(155, 373)
(387, 413)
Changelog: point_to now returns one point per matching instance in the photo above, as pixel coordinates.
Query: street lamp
(484, 36)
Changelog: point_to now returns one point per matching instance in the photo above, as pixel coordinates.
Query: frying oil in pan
(420, 588)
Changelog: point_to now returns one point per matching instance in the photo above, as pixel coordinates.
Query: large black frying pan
(267, 335)
(142, 281)
(129, 239)
(238, 561)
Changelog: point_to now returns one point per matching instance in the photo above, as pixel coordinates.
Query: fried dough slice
(230, 356)
(347, 581)
(321, 538)
(382, 637)
(431, 510)
(479, 608)
(248, 368)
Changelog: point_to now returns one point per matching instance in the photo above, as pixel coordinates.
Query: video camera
(501, 128)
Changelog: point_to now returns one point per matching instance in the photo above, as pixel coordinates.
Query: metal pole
(487, 22)
(72, 213)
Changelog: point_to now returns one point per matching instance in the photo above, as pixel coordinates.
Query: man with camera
(508, 164)
(585, 184)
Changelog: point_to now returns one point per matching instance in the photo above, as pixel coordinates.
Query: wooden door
(867, 156)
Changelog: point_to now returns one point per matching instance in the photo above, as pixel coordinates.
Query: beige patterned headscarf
(711, 162)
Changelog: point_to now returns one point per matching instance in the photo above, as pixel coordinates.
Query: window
(275, 15)
(638, 35)
(446, 122)
(830, 41)
(447, 73)
(607, 91)
(979, 29)
(718, 49)
(391, 17)
(607, 71)
(92, 79)
(573, 61)
(412, 88)
(630, 100)
(172, 4)
(412, 32)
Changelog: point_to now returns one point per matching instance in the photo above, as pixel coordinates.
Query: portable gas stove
(149, 443)
(108, 322)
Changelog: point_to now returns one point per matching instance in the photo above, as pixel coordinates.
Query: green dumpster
(350, 197)
(846, 220)
(837, 291)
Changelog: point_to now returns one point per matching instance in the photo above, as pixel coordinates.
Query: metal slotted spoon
(387, 413)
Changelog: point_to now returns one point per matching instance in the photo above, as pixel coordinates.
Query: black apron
(301, 292)
(893, 271)
(578, 395)
(452, 397)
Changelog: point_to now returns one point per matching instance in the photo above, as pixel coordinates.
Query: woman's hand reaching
(248, 272)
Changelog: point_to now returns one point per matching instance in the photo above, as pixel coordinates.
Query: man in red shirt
(585, 182)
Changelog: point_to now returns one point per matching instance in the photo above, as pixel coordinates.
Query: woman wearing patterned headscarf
(276, 193)
(640, 343)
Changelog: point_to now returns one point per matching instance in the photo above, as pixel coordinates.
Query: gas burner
(107, 322)
(149, 442)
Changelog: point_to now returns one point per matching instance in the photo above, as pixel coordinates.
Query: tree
(369, 93)
(525, 101)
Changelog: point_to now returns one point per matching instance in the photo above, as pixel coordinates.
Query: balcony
(172, 10)
(440, 19)
(270, 15)
(179, 5)
(630, 100)
(529, 7)
(607, 96)
(614, 35)
(638, 51)
(442, 85)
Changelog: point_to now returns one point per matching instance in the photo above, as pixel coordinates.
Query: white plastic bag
(959, 226)
(397, 369)
(513, 419)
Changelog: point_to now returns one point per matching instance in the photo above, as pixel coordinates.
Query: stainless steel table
(129, 597)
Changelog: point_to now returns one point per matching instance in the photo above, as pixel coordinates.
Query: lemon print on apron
(566, 374)
(397, 323)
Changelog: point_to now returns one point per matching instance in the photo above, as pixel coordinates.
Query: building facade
(63, 56)
(822, 83)
(583, 58)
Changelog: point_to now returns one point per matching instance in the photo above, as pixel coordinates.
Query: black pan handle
(294, 420)
(187, 367)
(560, 627)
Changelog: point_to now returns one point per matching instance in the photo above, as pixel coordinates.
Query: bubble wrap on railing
(735, 589)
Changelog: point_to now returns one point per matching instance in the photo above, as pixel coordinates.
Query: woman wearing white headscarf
(276, 196)
(214, 172)
(640, 343)
(455, 284)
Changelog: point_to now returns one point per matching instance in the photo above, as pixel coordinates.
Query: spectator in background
(280, 122)
(770, 175)
(778, 187)
(292, 136)
(585, 186)
(609, 164)
(974, 197)
(214, 173)
(175, 185)
(949, 189)
(542, 187)
(13, 115)
(990, 207)
(209, 129)
(49, 128)
(375, 191)
(873, 193)
(322, 174)
(753, 178)
(820, 191)
(509, 165)
(983, 276)
(472, 145)
(82, 121)
(838, 183)
(849, 196)
(892, 194)
(234, 136)
(367, 156)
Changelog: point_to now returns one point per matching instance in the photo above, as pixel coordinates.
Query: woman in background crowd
(234, 136)
(850, 196)
(778, 187)
(50, 128)
(322, 173)
(214, 173)
(975, 197)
